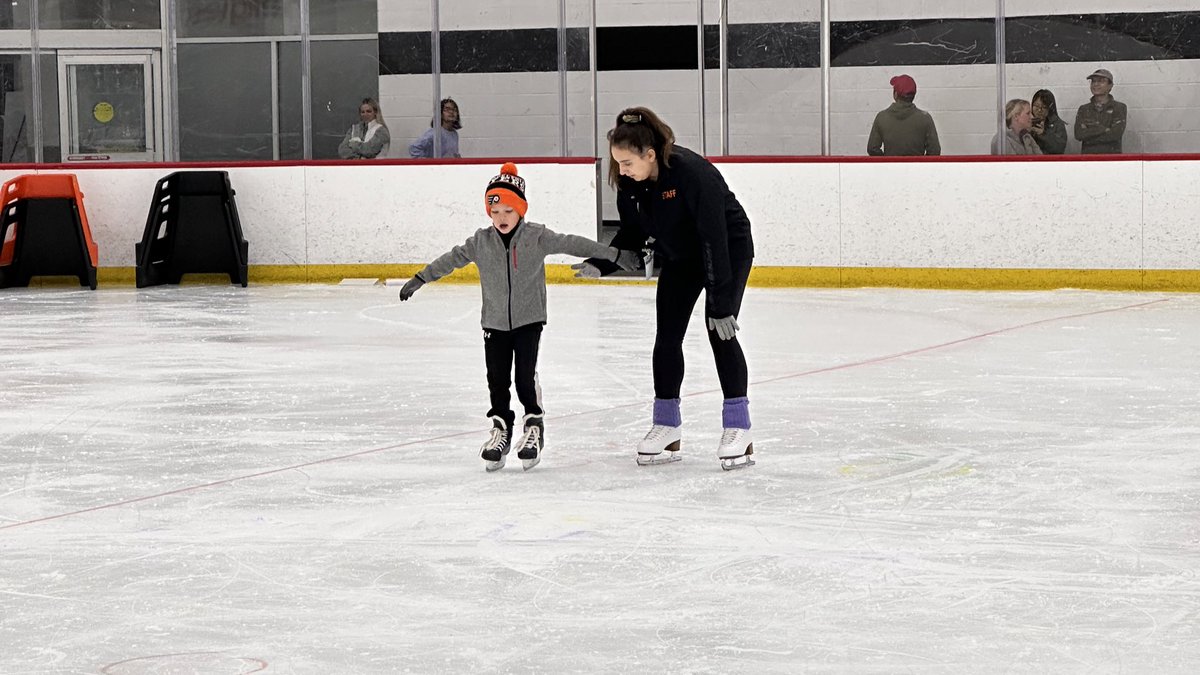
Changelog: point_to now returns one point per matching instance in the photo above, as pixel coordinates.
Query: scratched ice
(285, 479)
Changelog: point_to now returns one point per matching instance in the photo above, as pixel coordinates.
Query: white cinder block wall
(774, 111)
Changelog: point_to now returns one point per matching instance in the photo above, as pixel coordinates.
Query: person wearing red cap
(510, 255)
(1100, 123)
(902, 129)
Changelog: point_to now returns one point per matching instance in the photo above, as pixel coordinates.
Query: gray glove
(586, 270)
(726, 327)
(411, 287)
(628, 260)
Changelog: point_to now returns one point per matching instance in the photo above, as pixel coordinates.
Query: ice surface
(285, 479)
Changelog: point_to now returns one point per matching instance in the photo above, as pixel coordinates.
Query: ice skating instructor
(701, 236)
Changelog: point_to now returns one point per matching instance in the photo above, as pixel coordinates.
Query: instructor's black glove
(628, 260)
(726, 327)
(411, 287)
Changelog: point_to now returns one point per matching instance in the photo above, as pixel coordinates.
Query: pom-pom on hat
(507, 188)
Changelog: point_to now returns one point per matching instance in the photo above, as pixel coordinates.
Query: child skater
(511, 257)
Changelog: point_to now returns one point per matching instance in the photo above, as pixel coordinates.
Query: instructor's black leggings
(679, 286)
(500, 349)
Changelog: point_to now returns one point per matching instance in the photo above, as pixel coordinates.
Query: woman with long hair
(1049, 130)
(702, 239)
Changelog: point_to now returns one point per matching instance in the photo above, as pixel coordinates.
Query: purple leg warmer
(735, 413)
(666, 412)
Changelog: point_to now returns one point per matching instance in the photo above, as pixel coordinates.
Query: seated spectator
(447, 134)
(369, 138)
(1017, 138)
(1100, 122)
(1049, 130)
(903, 129)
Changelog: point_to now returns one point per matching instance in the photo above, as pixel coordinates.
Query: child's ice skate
(660, 446)
(529, 450)
(735, 449)
(495, 449)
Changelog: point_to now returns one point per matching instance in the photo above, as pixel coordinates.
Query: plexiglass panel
(1151, 58)
(344, 72)
(98, 14)
(406, 86)
(343, 17)
(949, 52)
(225, 102)
(773, 84)
(51, 139)
(581, 120)
(16, 115)
(16, 108)
(290, 102)
(14, 14)
(506, 81)
(222, 18)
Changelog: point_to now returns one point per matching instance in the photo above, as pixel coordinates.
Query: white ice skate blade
(661, 458)
(493, 466)
(528, 464)
(733, 463)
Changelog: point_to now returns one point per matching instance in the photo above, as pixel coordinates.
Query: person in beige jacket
(369, 138)
(1018, 118)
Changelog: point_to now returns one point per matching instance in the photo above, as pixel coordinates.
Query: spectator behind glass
(1049, 130)
(447, 133)
(1017, 139)
(903, 129)
(1101, 121)
(369, 138)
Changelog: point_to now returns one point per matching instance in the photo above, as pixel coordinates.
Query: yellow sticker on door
(103, 112)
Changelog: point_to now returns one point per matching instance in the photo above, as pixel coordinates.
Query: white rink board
(1095, 215)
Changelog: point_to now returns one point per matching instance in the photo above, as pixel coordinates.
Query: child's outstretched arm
(582, 247)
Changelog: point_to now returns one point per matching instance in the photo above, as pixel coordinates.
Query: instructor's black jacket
(693, 216)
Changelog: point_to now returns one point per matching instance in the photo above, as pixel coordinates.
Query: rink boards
(1125, 224)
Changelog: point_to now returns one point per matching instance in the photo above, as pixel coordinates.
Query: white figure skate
(735, 449)
(660, 446)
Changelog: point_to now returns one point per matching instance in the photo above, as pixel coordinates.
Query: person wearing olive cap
(902, 129)
(1100, 123)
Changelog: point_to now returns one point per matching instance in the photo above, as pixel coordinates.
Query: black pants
(679, 285)
(500, 347)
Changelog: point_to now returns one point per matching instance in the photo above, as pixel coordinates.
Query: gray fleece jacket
(513, 279)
